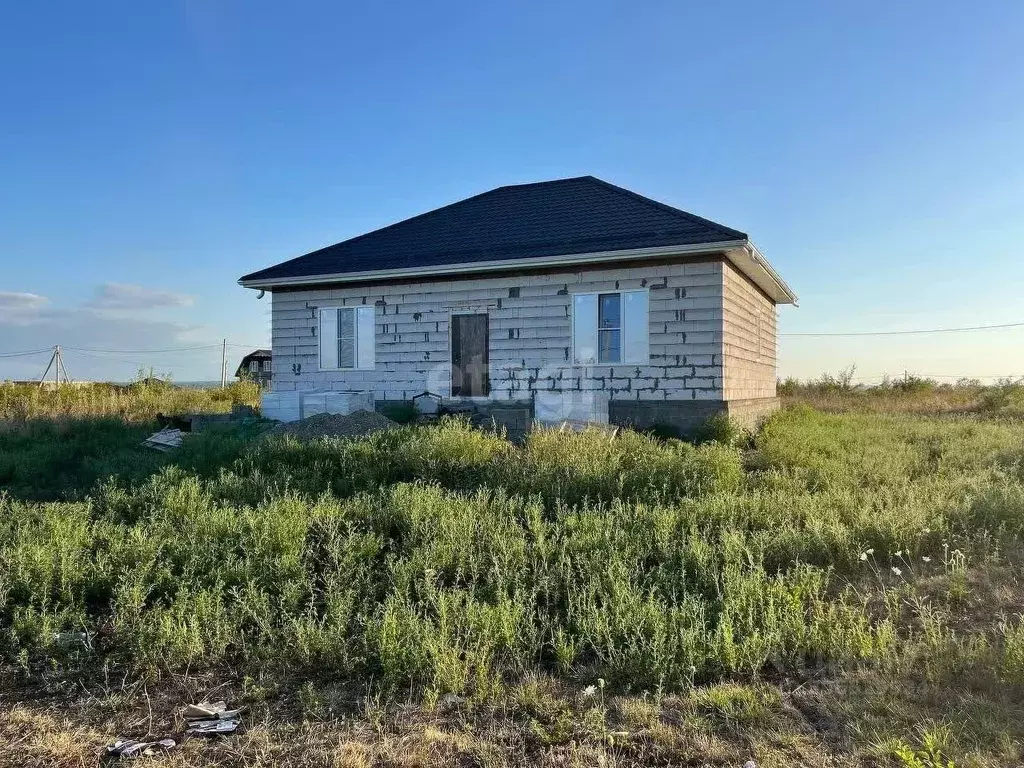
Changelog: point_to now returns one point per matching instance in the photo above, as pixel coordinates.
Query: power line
(944, 376)
(923, 330)
(144, 351)
(159, 351)
(107, 359)
(27, 353)
(971, 376)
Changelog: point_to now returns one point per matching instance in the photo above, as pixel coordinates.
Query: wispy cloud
(21, 302)
(115, 318)
(126, 296)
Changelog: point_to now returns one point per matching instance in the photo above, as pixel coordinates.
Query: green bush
(720, 428)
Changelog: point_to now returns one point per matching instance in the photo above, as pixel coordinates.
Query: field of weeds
(838, 393)
(139, 401)
(844, 589)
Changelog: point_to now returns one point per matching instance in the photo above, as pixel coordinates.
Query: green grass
(443, 559)
(910, 395)
(135, 402)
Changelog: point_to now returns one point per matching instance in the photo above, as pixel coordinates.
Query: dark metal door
(470, 377)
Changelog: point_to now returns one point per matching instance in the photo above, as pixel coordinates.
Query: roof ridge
(540, 183)
(665, 207)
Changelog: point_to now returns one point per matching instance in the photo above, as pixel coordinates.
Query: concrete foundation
(684, 418)
(687, 418)
(515, 416)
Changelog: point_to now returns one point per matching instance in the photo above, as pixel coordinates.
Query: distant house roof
(256, 354)
(582, 215)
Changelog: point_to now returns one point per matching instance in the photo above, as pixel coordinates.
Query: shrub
(721, 428)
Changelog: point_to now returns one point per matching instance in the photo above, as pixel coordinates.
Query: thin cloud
(11, 301)
(115, 318)
(126, 296)
(83, 329)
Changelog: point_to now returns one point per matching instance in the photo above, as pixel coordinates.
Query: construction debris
(165, 440)
(132, 748)
(211, 727)
(206, 719)
(73, 640)
(211, 719)
(215, 711)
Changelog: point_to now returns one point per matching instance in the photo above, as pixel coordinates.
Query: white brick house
(566, 298)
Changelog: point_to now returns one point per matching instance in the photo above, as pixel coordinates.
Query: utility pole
(60, 362)
(57, 363)
(224, 364)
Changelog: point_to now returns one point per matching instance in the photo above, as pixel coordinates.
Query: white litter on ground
(165, 440)
(133, 748)
(211, 719)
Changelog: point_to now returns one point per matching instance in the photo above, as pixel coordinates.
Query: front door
(470, 377)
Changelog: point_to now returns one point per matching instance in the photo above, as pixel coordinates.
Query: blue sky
(151, 153)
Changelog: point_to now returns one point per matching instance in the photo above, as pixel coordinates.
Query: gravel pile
(355, 424)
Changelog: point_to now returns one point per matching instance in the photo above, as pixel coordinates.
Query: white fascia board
(757, 268)
(499, 265)
(750, 262)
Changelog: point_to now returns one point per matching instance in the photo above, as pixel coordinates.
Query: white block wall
(750, 338)
(530, 334)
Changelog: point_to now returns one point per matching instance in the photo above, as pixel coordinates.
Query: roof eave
(749, 260)
(741, 252)
(497, 265)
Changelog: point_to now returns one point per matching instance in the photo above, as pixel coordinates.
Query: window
(610, 328)
(254, 366)
(346, 338)
(266, 366)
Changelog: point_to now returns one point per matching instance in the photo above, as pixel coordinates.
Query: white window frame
(625, 359)
(355, 339)
(620, 327)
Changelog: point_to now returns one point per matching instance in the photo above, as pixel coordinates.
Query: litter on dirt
(133, 748)
(355, 424)
(216, 711)
(166, 439)
(210, 719)
(73, 639)
(211, 727)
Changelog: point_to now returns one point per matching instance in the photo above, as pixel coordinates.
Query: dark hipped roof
(549, 218)
(259, 353)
